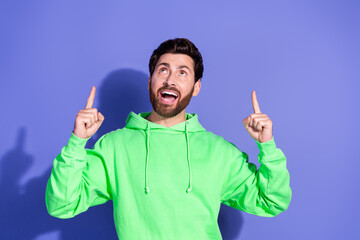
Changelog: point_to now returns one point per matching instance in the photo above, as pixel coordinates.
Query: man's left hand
(258, 125)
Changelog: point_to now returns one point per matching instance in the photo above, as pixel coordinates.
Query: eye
(162, 70)
(183, 73)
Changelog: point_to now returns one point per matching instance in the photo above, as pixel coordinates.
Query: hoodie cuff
(76, 145)
(267, 148)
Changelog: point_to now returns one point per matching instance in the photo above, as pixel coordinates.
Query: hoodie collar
(138, 121)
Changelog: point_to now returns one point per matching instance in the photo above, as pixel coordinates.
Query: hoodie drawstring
(188, 156)
(147, 189)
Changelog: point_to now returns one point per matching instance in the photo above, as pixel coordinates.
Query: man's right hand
(88, 120)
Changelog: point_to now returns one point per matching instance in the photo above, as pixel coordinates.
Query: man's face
(172, 85)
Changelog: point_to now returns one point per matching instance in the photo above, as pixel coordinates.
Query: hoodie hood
(190, 125)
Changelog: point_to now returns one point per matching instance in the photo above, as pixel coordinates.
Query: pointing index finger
(91, 98)
(255, 102)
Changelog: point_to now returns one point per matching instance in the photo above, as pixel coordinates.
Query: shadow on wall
(23, 213)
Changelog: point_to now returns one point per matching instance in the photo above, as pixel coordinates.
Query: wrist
(268, 147)
(79, 136)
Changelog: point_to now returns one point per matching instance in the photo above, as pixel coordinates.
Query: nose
(170, 80)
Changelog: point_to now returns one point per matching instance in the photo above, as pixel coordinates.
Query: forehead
(176, 59)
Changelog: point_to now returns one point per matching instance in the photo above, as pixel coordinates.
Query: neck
(166, 121)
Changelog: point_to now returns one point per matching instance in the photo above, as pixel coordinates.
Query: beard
(166, 110)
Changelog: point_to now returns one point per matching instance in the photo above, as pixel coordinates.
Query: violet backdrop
(301, 58)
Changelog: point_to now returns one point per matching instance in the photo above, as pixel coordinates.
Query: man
(164, 172)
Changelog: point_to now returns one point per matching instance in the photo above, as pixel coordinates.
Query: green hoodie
(166, 183)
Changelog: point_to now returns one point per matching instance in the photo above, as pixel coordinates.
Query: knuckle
(93, 112)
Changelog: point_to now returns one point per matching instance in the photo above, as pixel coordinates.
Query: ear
(197, 87)
(149, 83)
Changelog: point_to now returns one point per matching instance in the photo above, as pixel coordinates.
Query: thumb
(246, 121)
(101, 117)
(97, 124)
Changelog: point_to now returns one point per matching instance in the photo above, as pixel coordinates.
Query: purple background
(301, 57)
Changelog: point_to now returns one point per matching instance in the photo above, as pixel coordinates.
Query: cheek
(156, 81)
(186, 88)
(154, 86)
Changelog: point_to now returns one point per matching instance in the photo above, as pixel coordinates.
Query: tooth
(170, 93)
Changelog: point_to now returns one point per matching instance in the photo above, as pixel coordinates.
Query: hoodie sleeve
(78, 178)
(265, 191)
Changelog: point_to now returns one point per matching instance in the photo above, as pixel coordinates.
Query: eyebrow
(181, 66)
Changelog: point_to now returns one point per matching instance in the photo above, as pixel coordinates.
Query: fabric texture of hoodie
(166, 183)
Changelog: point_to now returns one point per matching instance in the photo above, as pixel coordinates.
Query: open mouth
(168, 97)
